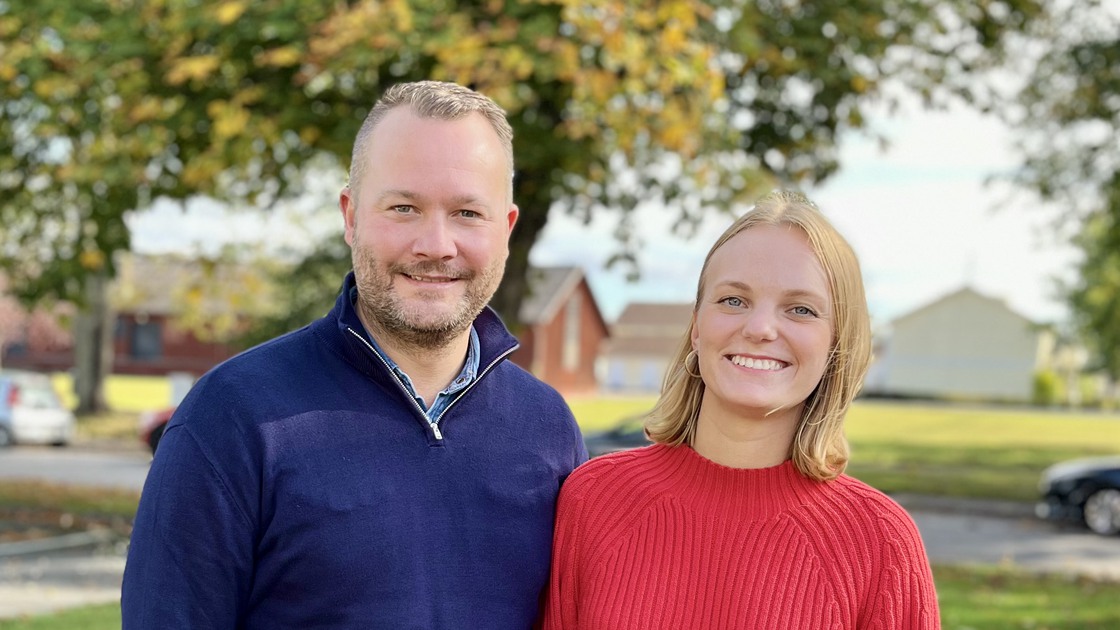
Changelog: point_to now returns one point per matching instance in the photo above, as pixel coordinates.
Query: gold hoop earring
(687, 360)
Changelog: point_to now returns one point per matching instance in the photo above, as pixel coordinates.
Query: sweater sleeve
(903, 596)
(562, 594)
(190, 557)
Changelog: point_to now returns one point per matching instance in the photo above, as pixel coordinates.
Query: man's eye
(402, 209)
(469, 214)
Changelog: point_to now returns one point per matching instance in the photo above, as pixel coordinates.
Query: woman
(739, 515)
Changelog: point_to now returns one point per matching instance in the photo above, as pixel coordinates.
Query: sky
(919, 215)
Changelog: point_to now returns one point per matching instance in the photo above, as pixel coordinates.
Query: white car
(31, 411)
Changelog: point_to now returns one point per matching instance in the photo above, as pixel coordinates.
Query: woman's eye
(804, 310)
(732, 301)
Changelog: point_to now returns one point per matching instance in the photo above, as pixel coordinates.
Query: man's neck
(431, 370)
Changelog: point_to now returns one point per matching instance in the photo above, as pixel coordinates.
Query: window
(146, 341)
(572, 310)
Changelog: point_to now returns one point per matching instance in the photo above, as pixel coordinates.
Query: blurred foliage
(306, 289)
(1046, 388)
(110, 104)
(1068, 115)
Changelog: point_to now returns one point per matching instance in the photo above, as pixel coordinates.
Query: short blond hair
(820, 450)
(430, 99)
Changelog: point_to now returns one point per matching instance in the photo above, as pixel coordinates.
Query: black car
(1085, 491)
(627, 434)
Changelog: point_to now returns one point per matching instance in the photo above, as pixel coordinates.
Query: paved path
(1025, 544)
(43, 583)
(120, 468)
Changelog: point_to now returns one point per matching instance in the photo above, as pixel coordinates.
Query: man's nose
(436, 239)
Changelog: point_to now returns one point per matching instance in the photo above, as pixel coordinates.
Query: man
(385, 466)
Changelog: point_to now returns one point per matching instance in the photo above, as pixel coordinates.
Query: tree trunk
(93, 336)
(533, 198)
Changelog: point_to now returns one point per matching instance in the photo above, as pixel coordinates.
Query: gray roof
(548, 286)
(649, 328)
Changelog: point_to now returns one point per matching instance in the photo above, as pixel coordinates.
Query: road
(954, 533)
(1024, 543)
(116, 468)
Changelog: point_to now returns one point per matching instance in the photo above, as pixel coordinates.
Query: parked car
(151, 425)
(627, 434)
(1084, 491)
(31, 411)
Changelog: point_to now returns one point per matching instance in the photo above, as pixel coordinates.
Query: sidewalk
(47, 580)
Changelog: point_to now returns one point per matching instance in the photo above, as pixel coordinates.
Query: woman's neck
(739, 440)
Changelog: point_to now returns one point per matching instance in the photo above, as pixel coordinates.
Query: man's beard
(381, 306)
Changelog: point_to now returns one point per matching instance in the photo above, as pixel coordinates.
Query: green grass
(965, 451)
(970, 598)
(88, 502)
(100, 617)
(998, 599)
(969, 451)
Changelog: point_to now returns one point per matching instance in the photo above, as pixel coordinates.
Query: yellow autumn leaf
(280, 57)
(402, 14)
(228, 12)
(91, 259)
(192, 68)
(230, 121)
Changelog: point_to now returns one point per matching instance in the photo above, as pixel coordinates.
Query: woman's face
(763, 327)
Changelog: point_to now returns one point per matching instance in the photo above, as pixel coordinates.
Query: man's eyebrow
(408, 195)
(403, 194)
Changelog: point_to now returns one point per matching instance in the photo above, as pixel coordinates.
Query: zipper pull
(435, 430)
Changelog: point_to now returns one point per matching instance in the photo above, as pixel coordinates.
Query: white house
(643, 340)
(964, 345)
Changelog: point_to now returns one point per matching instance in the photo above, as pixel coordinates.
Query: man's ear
(512, 215)
(349, 208)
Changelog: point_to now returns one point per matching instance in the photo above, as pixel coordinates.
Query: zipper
(434, 425)
(476, 380)
(435, 429)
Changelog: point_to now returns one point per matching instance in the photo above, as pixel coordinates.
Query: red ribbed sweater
(660, 537)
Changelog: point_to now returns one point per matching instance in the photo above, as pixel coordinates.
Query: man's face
(428, 226)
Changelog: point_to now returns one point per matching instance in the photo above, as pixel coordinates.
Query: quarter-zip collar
(343, 329)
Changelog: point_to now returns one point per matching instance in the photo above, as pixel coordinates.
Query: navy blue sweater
(297, 486)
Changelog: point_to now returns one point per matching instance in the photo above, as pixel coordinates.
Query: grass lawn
(970, 451)
(100, 617)
(996, 599)
(967, 451)
(970, 599)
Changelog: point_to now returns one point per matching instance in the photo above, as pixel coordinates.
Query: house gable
(963, 345)
(563, 330)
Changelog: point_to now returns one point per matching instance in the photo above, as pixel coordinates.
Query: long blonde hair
(819, 450)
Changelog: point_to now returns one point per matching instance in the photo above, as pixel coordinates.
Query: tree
(1068, 114)
(699, 105)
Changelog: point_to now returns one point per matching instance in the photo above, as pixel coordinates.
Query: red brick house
(147, 298)
(562, 330)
